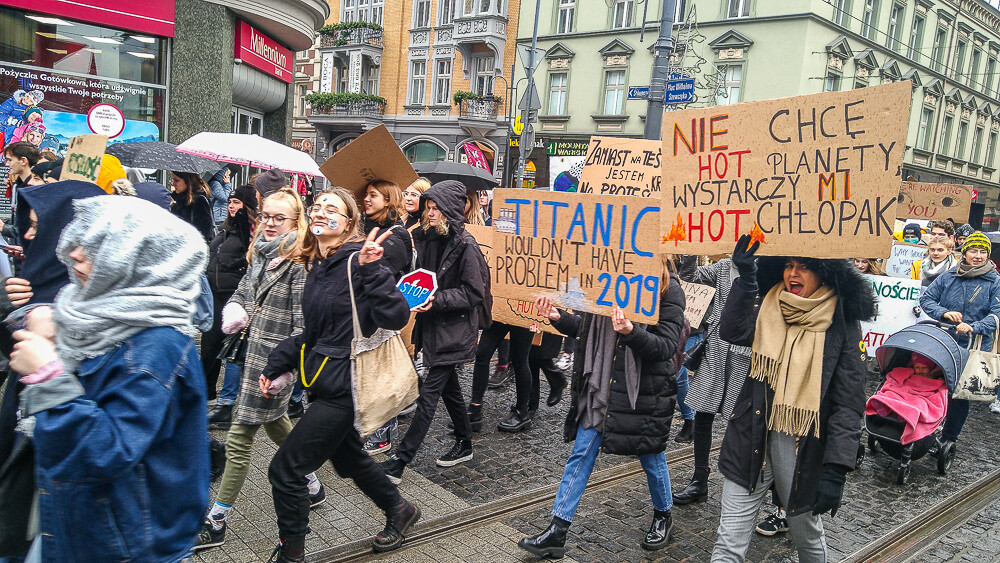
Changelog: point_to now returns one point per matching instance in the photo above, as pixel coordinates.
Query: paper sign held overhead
(902, 255)
(83, 158)
(817, 173)
(587, 252)
(934, 202)
(697, 299)
(634, 170)
(374, 155)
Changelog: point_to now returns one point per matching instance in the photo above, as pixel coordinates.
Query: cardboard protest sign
(896, 300)
(819, 174)
(635, 171)
(901, 258)
(418, 287)
(83, 158)
(698, 298)
(374, 155)
(509, 311)
(587, 252)
(934, 202)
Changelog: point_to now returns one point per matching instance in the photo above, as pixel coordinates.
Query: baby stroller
(931, 341)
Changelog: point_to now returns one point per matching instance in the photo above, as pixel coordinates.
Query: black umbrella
(473, 178)
(161, 155)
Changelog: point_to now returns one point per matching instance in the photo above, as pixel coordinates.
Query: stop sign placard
(418, 287)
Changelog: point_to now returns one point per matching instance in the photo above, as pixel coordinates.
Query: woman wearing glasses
(268, 305)
(411, 201)
(323, 350)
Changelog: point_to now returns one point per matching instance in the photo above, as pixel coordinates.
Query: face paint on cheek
(317, 230)
(333, 224)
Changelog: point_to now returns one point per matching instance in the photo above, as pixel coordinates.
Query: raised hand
(743, 256)
(372, 250)
(547, 309)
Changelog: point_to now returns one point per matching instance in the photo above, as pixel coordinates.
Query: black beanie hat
(52, 169)
(964, 230)
(911, 230)
(247, 195)
(270, 182)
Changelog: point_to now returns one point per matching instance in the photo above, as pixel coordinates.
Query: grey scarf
(147, 267)
(265, 251)
(966, 270)
(929, 271)
(598, 365)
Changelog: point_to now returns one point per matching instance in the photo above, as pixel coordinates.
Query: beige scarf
(788, 355)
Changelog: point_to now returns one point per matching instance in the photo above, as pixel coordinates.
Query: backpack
(204, 307)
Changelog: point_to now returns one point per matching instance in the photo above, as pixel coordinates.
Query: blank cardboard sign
(934, 202)
(83, 158)
(819, 174)
(374, 155)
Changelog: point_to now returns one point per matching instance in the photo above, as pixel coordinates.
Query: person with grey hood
(115, 392)
(447, 326)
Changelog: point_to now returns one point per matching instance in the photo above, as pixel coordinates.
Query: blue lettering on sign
(414, 294)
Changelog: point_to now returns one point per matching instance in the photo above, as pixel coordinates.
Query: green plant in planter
(328, 100)
(457, 97)
(335, 28)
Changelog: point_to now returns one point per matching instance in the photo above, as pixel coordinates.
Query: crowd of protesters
(126, 302)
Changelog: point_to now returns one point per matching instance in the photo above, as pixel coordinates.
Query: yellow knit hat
(111, 170)
(977, 240)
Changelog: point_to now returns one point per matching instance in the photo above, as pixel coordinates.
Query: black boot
(684, 436)
(397, 524)
(550, 543)
(220, 417)
(476, 417)
(289, 551)
(519, 420)
(557, 383)
(697, 490)
(659, 531)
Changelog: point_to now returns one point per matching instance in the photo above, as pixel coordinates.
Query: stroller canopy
(929, 341)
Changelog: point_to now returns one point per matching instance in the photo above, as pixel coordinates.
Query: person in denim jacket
(115, 393)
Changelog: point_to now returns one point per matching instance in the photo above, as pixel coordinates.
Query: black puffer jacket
(227, 261)
(642, 430)
(842, 395)
(398, 248)
(447, 333)
(198, 213)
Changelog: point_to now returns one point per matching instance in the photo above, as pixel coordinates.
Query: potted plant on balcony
(340, 34)
(346, 103)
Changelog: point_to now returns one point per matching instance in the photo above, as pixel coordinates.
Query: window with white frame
(418, 81)
(926, 122)
(442, 81)
(342, 79)
(447, 12)
(991, 147)
(621, 14)
(977, 57)
(567, 9)
(895, 27)
(349, 11)
(916, 37)
(991, 66)
(963, 133)
(869, 19)
(730, 84)
(557, 93)
(739, 8)
(614, 92)
(378, 8)
(939, 47)
(484, 6)
(977, 139)
(841, 9)
(945, 146)
(482, 79)
(362, 10)
(959, 59)
(832, 82)
(302, 100)
(422, 13)
(371, 82)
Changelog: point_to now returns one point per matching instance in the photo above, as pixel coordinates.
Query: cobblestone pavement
(610, 522)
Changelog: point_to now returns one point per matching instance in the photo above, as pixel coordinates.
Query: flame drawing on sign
(677, 233)
(756, 235)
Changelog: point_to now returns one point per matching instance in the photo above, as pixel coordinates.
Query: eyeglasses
(326, 210)
(278, 220)
(411, 193)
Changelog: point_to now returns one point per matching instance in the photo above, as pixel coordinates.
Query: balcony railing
(485, 108)
(351, 37)
(354, 109)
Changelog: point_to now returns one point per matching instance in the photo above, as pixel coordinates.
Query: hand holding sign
(547, 309)
(418, 288)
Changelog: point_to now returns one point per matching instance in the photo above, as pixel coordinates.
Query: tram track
(445, 526)
(907, 541)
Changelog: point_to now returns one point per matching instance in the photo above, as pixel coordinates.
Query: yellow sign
(518, 125)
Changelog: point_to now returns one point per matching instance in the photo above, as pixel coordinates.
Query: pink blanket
(918, 401)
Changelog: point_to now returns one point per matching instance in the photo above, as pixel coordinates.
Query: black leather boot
(697, 489)
(519, 420)
(550, 543)
(289, 551)
(220, 417)
(476, 417)
(685, 435)
(658, 535)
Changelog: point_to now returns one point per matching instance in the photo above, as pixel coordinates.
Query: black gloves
(829, 489)
(745, 261)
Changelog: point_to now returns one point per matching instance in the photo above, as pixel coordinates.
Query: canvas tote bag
(383, 380)
(981, 375)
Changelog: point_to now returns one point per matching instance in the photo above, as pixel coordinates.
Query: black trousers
(520, 345)
(555, 378)
(325, 432)
(211, 345)
(441, 382)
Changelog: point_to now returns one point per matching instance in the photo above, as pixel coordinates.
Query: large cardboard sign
(374, 155)
(819, 174)
(635, 171)
(896, 301)
(514, 312)
(901, 258)
(83, 158)
(587, 252)
(698, 299)
(934, 202)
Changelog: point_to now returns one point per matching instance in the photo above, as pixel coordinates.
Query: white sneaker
(995, 407)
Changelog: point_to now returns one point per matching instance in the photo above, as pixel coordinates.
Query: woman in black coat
(326, 431)
(603, 416)
(192, 202)
(797, 420)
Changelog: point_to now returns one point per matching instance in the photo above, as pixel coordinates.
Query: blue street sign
(677, 76)
(680, 91)
(638, 92)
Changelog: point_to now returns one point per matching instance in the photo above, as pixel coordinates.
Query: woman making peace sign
(322, 352)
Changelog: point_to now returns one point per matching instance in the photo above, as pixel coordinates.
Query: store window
(424, 151)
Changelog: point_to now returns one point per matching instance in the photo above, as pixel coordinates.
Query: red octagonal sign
(418, 287)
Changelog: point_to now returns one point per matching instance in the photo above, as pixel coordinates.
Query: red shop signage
(154, 18)
(263, 53)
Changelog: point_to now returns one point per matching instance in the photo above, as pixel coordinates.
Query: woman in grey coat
(715, 386)
(268, 305)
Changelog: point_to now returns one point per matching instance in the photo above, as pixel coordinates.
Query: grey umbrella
(161, 156)
(473, 178)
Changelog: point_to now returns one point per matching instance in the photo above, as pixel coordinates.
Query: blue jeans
(230, 384)
(687, 413)
(297, 394)
(580, 465)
